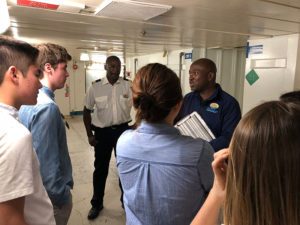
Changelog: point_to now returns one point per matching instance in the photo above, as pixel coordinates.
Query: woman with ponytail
(165, 176)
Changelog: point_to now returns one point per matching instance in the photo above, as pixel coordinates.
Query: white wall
(76, 83)
(273, 81)
(171, 60)
(230, 70)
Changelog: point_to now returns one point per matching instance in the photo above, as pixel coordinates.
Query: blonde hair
(263, 185)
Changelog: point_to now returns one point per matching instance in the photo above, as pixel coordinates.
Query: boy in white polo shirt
(23, 199)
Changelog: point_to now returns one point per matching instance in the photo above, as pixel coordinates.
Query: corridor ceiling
(189, 24)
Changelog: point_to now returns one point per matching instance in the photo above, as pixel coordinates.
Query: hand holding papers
(193, 125)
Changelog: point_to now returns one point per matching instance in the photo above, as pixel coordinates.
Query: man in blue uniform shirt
(220, 111)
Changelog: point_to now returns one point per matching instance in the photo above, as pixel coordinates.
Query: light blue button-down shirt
(165, 176)
(48, 131)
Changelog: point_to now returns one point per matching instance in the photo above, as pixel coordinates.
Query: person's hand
(220, 169)
(92, 141)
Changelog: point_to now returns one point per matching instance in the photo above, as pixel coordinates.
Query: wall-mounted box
(268, 63)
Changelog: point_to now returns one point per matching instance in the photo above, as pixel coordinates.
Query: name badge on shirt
(213, 107)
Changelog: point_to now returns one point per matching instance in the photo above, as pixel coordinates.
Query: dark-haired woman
(165, 176)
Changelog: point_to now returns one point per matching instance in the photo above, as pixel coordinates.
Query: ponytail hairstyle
(156, 90)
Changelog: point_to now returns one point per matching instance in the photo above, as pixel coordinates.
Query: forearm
(87, 120)
(209, 212)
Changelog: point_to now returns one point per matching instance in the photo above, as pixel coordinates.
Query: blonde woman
(260, 185)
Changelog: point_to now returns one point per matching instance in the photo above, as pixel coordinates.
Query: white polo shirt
(19, 169)
(112, 102)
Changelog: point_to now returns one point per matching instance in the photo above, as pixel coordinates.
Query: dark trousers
(107, 139)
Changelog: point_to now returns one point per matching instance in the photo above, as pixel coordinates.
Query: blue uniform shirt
(221, 112)
(165, 176)
(48, 131)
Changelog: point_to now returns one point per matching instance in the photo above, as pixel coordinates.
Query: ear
(105, 66)
(48, 68)
(211, 76)
(13, 74)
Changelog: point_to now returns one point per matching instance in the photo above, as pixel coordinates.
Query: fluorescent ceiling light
(129, 9)
(4, 16)
(96, 66)
(99, 58)
(84, 57)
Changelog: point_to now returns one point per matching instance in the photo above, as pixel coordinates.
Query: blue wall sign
(188, 55)
(255, 49)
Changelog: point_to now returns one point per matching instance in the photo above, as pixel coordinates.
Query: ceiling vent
(127, 9)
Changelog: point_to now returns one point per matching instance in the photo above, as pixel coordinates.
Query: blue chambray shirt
(48, 131)
(165, 176)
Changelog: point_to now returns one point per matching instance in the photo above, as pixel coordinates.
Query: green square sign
(252, 77)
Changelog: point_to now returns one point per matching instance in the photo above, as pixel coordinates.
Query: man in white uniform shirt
(23, 198)
(112, 98)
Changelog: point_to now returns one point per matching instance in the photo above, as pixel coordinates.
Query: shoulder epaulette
(96, 81)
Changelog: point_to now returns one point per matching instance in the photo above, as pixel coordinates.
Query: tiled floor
(82, 156)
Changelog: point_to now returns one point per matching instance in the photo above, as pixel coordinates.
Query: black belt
(113, 127)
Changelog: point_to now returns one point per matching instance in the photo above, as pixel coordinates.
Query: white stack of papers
(193, 125)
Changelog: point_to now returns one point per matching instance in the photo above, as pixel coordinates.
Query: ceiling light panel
(127, 9)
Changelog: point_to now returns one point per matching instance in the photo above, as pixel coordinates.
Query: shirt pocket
(101, 102)
(125, 102)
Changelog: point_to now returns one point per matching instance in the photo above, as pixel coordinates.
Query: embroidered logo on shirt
(214, 105)
(125, 96)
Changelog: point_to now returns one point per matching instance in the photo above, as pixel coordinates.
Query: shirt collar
(157, 128)
(9, 109)
(105, 80)
(48, 92)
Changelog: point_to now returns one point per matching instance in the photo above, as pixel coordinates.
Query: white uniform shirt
(19, 169)
(112, 102)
